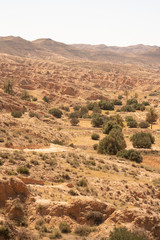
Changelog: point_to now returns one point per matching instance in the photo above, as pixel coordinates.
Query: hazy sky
(111, 22)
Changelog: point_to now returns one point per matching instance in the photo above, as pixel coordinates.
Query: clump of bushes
(130, 154)
(55, 235)
(83, 230)
(16, 114)
(64, 227)
(58, 142)
(74, 121)
(97, 120)
(65, 108)
(131, 122)
(23, 170)
(142, 140)
(82, 183)
(127, 108)
(95, 136)
(112, 143)
(56, 112)
(8, 87)
(106, 105)
(123, 233)
(46, 99)
(110, 125)
(91, 105)
(74, 115)
(95, 217)
(4, 232)
(132, 101)
(145, 103)
(117, 102)
(154, 94)
(120, 96)
(143, 124)
(72, 192)
(34, 99)
(33, 114)
(25, 96)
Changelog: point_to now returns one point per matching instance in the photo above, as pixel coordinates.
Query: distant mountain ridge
(49, 49)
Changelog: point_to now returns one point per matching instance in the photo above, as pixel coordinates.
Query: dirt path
(50, 149)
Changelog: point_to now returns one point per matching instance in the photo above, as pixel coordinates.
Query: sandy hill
(50, 49)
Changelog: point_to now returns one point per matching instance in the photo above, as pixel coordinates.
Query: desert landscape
(79, 141)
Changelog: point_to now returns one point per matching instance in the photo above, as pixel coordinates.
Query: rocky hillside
(54, 183)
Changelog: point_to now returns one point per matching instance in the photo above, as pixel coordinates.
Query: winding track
(52, 148)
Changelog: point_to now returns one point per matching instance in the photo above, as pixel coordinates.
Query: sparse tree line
(112, 126)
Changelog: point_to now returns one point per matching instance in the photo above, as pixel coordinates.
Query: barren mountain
(49, 49)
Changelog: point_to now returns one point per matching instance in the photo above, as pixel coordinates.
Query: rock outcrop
(10, 188)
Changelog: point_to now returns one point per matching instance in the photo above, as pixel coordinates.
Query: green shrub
(1, 162)
(91, 105)
(65, 108)
(74, 121)
(128, 108)
(95, 136)
(109, 126)
(154, 94)
(72, 192)
(4, 232)
(96, 110)
(142, 140)
(64, 227)
(82, 183)
(23, 170)
(143, 124)
(83, 230)
(16, 114)
(112, 143)
(58, 142)
(97, 120)
(56, 112)
(138, 106)
(132, 101)
(46, 99)
(151, 116)
(8, 87)
(118, 119)
(95, 217)
(32, 114)
(76, 107)
(55, 235)
(132, 124)
(129, 118)
(123, 234)
(130, 154)
(34, 99)
(120, 96)
(117, 102)
(74, 115)
(145, 103)
(142, 107)
(83, 111)
(25, 96)
(106, 105)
